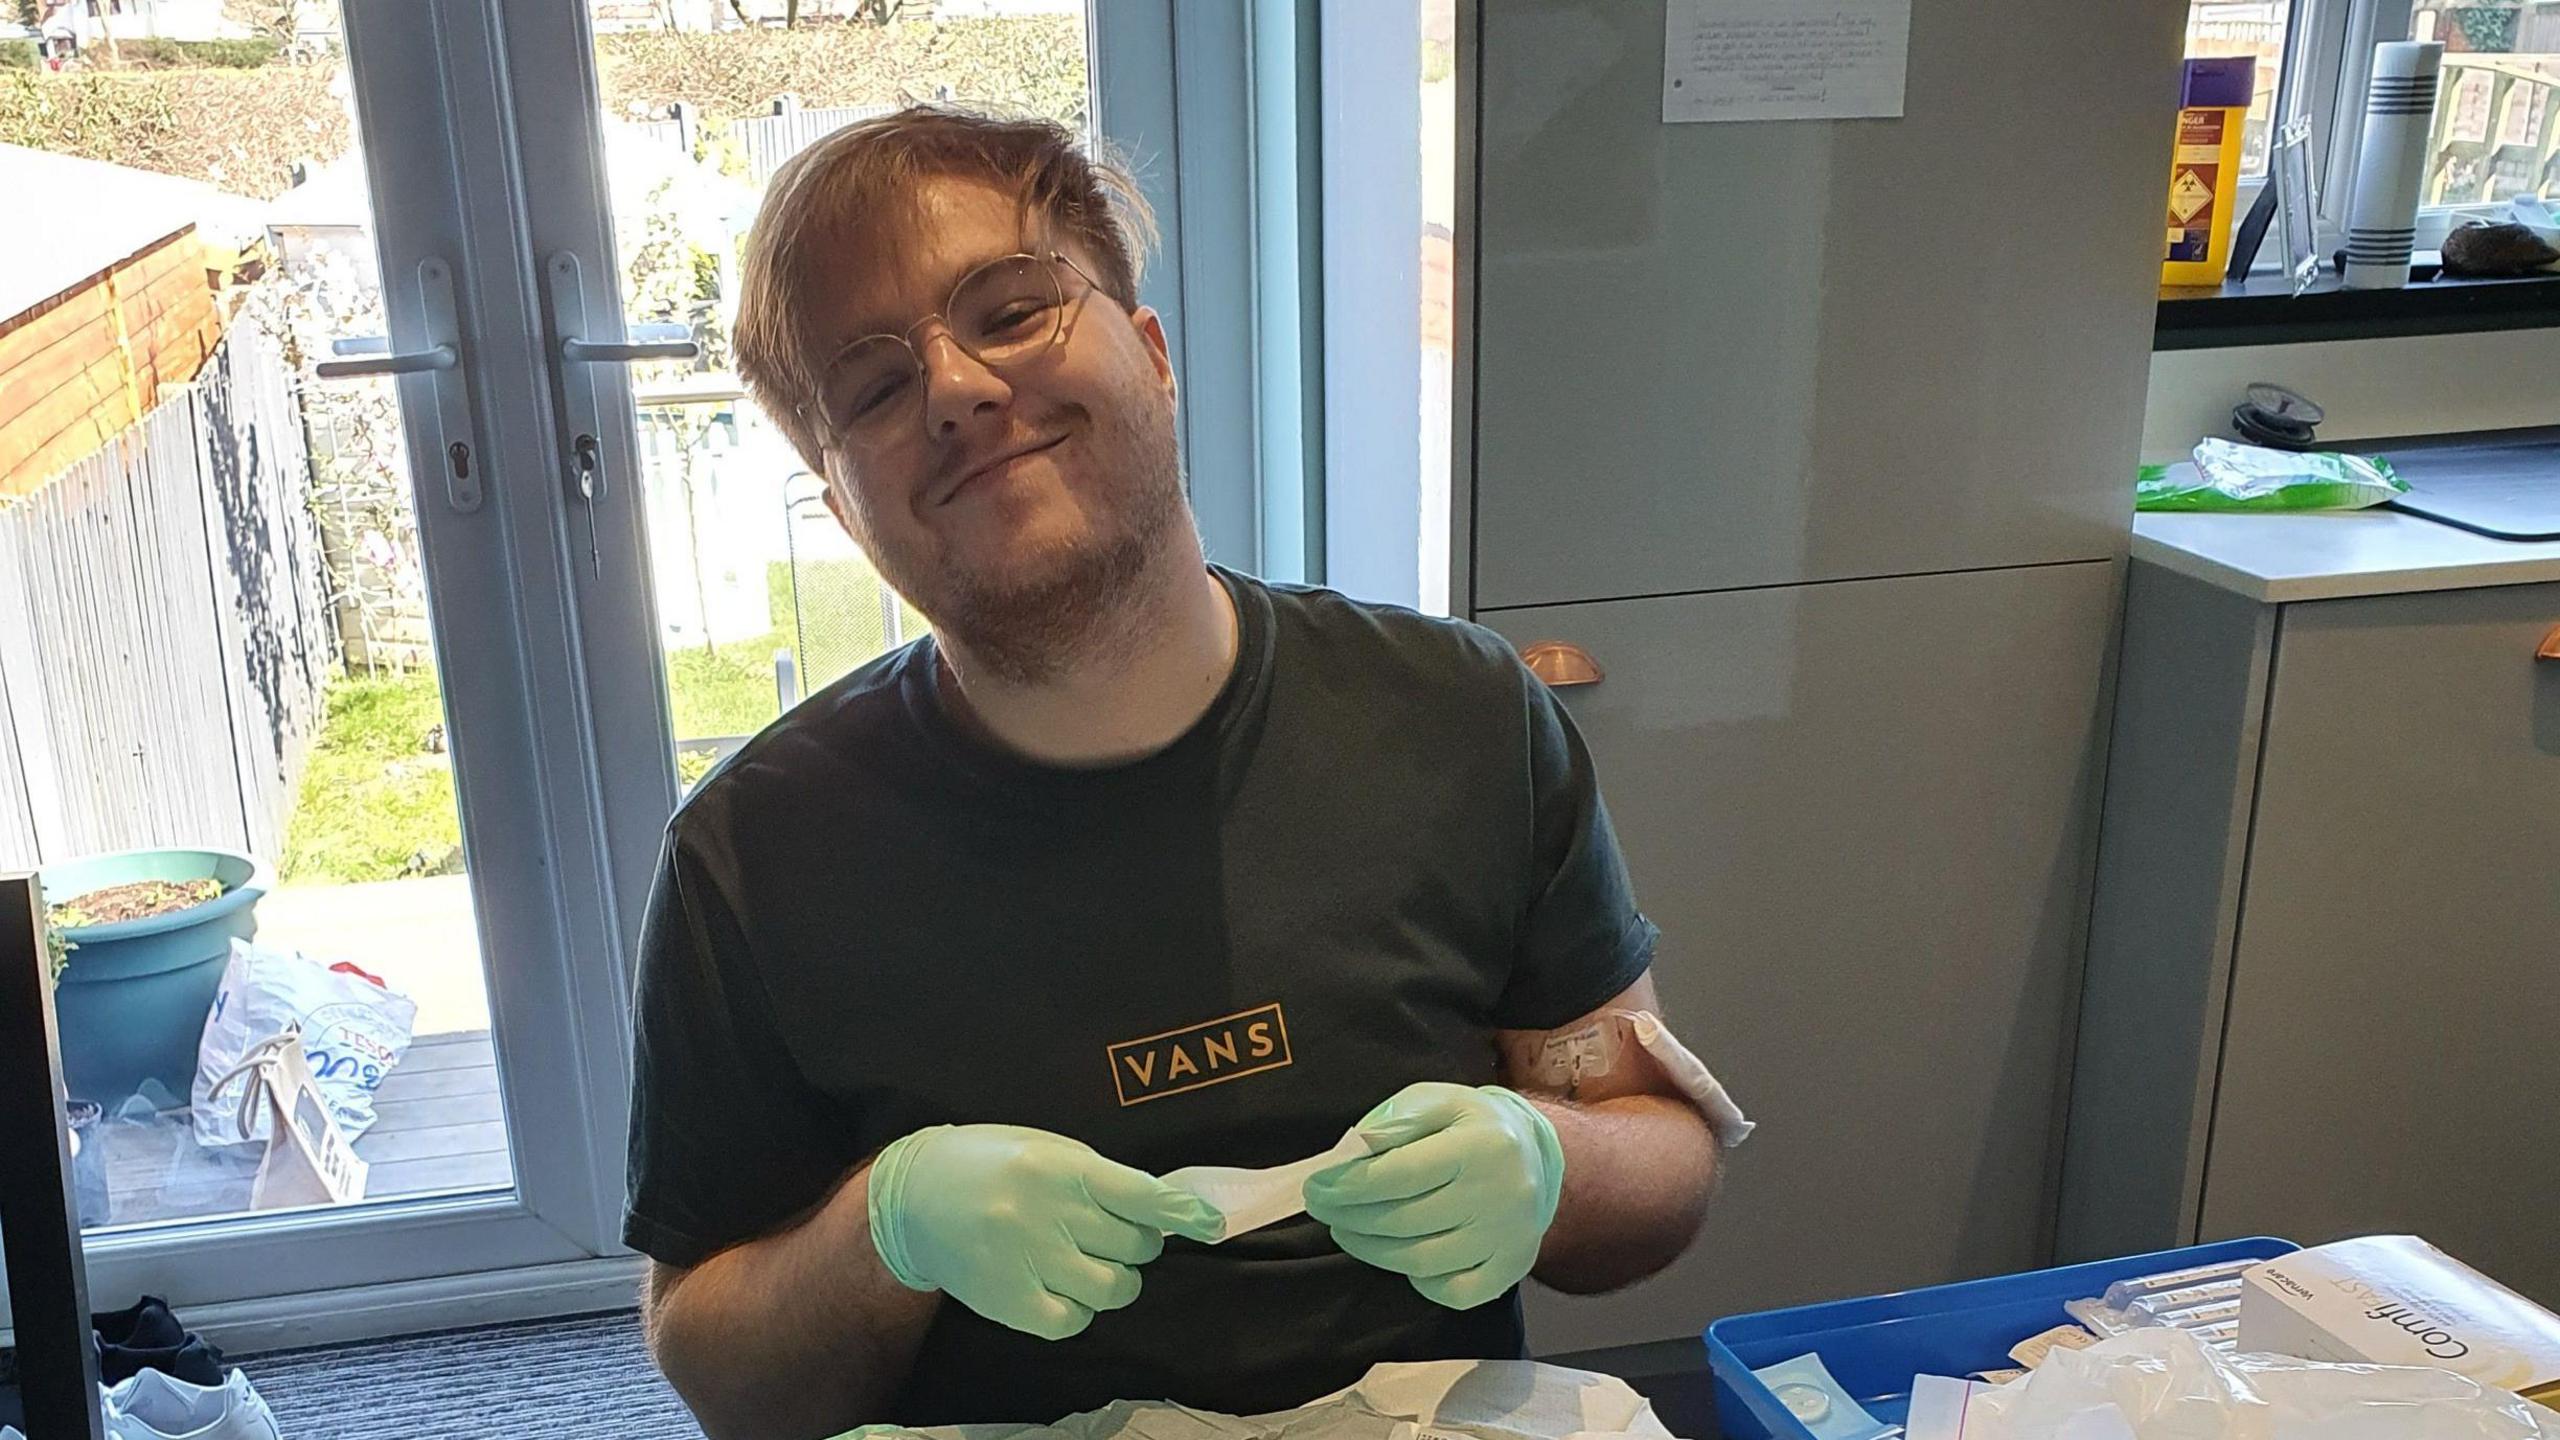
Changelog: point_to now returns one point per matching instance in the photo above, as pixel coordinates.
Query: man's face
(1012, 500)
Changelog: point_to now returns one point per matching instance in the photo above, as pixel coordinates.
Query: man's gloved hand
(1456, 1193)
(1030, 1229)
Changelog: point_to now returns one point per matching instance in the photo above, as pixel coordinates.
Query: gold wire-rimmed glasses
(1005, 312)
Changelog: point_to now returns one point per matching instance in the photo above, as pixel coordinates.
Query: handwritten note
(1784, 59)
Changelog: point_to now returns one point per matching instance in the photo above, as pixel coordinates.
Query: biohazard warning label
(2188, 196)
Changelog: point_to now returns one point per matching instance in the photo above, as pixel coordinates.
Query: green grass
(727, 690)
(842, 609)
(373, 796)
(375, 801)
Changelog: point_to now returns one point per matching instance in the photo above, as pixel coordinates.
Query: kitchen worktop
(2278, 559)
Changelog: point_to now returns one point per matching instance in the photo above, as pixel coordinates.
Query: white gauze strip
(1251, 1199)
(1690, 1073)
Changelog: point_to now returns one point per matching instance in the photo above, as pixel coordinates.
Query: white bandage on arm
(1566, 1058)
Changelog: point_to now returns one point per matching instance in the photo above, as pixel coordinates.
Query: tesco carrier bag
(354, 1030)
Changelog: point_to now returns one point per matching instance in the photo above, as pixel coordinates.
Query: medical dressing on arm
(1566, 1058)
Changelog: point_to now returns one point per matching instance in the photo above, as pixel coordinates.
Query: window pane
(221, 708)
(2497, 126)
(761, 597)
(1439, 220)
(2255, 28)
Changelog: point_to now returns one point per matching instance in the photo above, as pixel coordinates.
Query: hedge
(189, 120)
(240, 129)
(157, 54)
(1033, 63)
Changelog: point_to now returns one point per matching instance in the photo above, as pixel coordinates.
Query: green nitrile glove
(1031, 1230)
(1456, 1194)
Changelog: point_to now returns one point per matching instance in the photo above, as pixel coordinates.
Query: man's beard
(1031, 618)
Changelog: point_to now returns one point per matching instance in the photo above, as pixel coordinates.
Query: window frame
(2334, 59)
(1177, 87)
(2339, 55)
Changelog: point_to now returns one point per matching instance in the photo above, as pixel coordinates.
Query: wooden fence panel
(162, 629)
(17, 803)
(269, 605)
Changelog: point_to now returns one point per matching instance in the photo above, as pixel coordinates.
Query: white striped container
(2382, 225)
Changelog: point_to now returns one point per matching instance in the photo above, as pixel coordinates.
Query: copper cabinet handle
(1561, 663)
(2550, 646)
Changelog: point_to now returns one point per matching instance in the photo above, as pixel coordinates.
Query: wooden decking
(438, 1130)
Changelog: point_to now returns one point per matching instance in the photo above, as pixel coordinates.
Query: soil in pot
(139, 900)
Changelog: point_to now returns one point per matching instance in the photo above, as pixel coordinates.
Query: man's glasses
(1003, 313)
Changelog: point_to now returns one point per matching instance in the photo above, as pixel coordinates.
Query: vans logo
(1210, 1053)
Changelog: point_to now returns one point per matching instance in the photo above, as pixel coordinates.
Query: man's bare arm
(1639, 1162)
(800, 1334)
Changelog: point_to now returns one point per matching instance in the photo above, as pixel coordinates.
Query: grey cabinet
(1817, 436)
(1860, 814)
(1719, 355)
(2324, 971)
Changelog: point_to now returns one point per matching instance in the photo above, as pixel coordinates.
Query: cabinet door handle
(1561, 663)
(2550, 646)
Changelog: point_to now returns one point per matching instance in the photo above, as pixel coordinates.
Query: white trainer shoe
(152, 1406)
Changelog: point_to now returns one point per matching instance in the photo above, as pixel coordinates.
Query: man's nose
(957, 385)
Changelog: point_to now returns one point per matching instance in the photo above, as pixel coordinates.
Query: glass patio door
(293, 724)
(515, 562)
(562, 563)
(293, 687)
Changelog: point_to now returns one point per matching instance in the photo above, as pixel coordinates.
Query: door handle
(1561, 663)
(647, 342)
(569, 321)
(438, 361)
(384, 362)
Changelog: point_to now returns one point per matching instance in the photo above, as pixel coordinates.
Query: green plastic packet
(2227, 475)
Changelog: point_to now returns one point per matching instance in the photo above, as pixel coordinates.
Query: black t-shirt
(1381, 843)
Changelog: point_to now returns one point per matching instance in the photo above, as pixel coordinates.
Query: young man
(1136, 864)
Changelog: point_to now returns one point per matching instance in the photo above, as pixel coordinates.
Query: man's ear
(1159, 350)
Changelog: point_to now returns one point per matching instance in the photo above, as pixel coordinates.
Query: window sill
(2262, 310)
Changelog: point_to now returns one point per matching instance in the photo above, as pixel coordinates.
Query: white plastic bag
(309, 1162)
(2164, 1384)
(354, 1029)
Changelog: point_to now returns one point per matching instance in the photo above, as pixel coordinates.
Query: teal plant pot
(132, 1003)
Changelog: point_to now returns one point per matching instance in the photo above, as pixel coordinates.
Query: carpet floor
(585, 1378)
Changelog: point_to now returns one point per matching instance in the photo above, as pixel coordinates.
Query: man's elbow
(1633, 1259)
(665, 1326)
(686, 1345)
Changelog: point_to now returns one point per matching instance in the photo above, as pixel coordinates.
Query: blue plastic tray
(1874, 1346)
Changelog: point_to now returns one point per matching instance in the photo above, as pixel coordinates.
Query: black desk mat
(2504, 484)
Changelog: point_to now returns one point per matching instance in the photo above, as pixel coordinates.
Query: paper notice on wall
(1784, 59)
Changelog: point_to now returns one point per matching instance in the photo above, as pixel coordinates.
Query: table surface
(2279, 559)
(1673, 1374)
